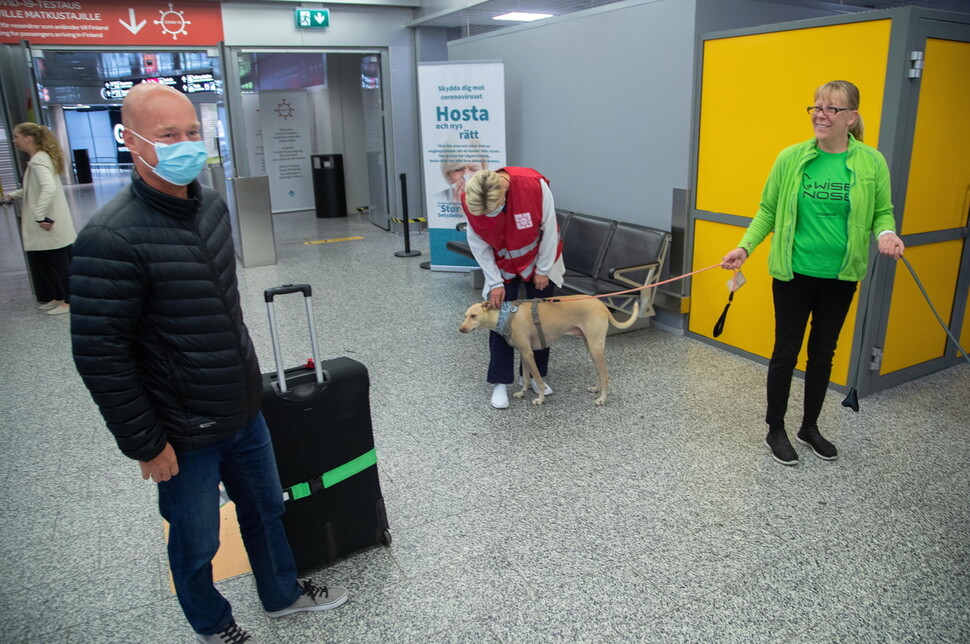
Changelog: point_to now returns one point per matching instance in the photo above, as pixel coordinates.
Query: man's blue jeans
(189, 501)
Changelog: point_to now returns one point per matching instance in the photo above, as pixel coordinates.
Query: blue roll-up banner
(462, 106)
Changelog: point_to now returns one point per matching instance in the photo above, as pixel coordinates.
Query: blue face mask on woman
(496, 212)
(178, 163)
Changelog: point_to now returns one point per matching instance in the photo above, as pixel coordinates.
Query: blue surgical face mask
(495, 212)
(178, 163)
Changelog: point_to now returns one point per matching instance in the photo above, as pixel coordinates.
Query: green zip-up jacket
(870, 207)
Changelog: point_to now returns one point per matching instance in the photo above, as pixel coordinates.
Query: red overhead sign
(111, 22)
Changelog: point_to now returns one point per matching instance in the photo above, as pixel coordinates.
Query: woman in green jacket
(823, 200)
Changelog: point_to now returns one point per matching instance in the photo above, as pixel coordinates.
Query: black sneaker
(813, 438)
(781, 448)
(231, 634)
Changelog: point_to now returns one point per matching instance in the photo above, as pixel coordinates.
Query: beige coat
(43, 196)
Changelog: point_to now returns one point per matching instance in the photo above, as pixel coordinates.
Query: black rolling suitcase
(319, 419)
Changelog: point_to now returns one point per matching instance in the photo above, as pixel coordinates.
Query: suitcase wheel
(387, 537)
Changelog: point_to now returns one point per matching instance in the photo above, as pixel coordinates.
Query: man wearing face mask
(159, 340)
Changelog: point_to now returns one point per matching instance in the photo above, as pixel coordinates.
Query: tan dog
(574, 315)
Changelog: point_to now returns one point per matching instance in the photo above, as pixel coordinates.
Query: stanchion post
(407, 252)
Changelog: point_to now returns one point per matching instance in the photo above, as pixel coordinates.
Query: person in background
(514, 235)
(823, 200)
(159, 340)
(45, 220)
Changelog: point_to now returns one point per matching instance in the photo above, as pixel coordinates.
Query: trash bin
(329, 195)
(82, 166)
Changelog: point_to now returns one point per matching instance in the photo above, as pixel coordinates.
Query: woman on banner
(823, 200)
(514, 235)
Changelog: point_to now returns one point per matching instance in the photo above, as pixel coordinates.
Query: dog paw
(518, 394)
(594, 389)
(600, 402)
(537, 401)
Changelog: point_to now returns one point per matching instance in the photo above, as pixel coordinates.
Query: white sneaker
(535, 386)
(500, 396)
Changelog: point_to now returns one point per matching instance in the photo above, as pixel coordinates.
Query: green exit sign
(312, 18)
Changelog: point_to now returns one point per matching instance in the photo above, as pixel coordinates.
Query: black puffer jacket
(156, 325)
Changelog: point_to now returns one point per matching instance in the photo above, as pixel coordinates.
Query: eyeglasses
(829, 110)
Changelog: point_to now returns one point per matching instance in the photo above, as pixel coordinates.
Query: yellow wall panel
(913, 334)
(938, 192)
(751, 320)
(754, 93)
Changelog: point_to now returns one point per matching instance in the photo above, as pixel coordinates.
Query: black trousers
(501, 354)
(51, 270)
(827, 302)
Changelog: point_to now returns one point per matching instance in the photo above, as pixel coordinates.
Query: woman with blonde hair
(823, 200)
(514, 235)
(45, 221)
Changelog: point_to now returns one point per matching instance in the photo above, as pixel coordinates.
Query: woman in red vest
(514, 235)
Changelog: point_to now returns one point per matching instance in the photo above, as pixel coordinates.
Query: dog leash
(634, 290)
(737, 281)
(852, 399)
(933, 308)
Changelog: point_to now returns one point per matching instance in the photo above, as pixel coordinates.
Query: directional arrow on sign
(133, 27)
(318, 17)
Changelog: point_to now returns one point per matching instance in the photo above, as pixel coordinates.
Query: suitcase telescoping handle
(274, 333)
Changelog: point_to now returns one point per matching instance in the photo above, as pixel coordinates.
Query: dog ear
(486, 305)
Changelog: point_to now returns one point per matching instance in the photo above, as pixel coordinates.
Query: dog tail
(629, 322)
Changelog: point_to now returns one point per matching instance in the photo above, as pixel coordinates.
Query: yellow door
(936, 206)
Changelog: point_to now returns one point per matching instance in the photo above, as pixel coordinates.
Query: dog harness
(505, 315)
(535, 320)
(508, 311)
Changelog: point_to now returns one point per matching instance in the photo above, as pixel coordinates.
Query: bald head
(150, 100)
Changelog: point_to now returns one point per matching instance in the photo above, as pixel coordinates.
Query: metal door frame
(234, 100)
(875, 299)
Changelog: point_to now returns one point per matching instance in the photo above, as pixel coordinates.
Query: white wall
(600, 102)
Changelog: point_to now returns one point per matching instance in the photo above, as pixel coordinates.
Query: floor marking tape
(330, 241)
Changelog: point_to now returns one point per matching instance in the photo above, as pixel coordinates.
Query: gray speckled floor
(660, 517)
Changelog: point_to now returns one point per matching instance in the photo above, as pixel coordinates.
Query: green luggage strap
(331, 478)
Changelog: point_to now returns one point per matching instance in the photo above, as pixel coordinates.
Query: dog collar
(505, 315)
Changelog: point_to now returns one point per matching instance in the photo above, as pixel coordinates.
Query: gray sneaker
(313, 598)
(231, 634)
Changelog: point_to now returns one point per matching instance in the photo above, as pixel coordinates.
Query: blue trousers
(189, 501)
(827, 301)
(501, 361)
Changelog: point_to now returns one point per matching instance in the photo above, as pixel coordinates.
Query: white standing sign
(285, 120)
(462, 131)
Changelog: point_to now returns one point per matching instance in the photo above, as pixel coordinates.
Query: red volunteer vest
(514, 233)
